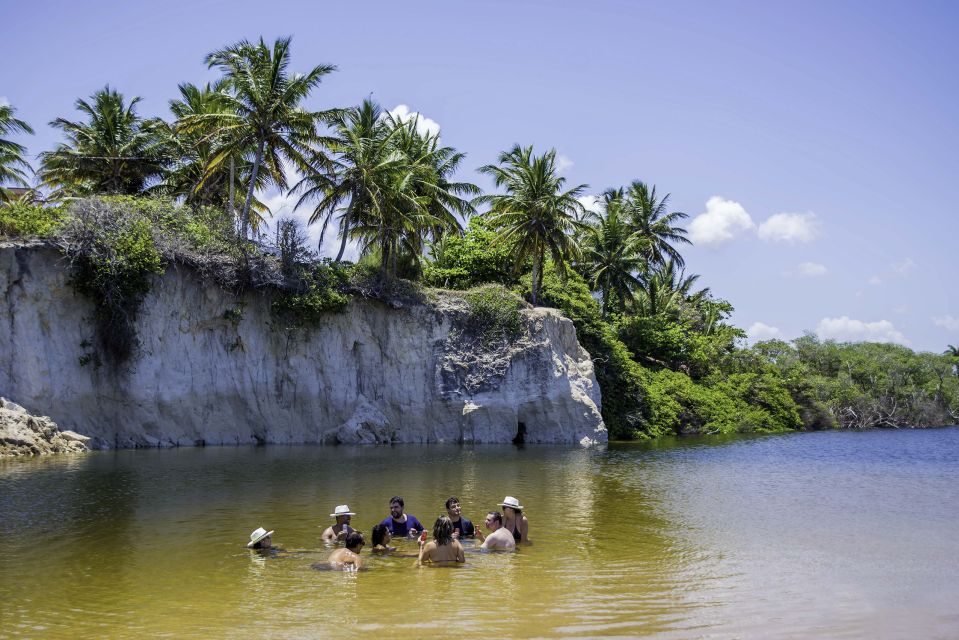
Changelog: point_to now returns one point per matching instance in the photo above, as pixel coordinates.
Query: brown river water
(827, 535)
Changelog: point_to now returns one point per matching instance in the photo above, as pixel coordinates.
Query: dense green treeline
(123, 195)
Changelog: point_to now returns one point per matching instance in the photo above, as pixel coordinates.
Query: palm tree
(535, 214)
(261, 111)
(653, 222)
(114, 152)
(440, 201)
(189, 178)
(13, 168)
(666, 288)
(355, 184)
(951, 351)
(612, 253)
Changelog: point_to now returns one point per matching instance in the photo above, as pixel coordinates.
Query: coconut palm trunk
(257, 161)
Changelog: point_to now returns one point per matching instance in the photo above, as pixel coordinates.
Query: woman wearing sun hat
(513, 519)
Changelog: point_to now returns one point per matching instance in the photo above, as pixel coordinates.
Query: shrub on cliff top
(493, 313)
(114, 257)
(27, 220)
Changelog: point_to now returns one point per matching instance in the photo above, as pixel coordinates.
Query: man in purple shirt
(401, 525)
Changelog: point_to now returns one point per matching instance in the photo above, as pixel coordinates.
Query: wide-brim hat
(342, 510)
(512, 503)
(257, 535)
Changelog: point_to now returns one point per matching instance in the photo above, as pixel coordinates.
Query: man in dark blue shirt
(401, 525)
(462, 528)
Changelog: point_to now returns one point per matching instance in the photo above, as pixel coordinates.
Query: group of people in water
(506, 529)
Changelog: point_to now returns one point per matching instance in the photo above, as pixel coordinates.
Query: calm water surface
(802, 535)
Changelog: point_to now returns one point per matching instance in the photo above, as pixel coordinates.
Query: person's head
(342, 514)
(396, 507)
(443, 530)
(494, 520)
(453, 507)
(511, 506)
(381, 535)
(260, 539)
(355, 541)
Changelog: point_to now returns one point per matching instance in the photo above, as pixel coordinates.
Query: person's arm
(328, 535)
(460, 556)
(524, 529)
(423, 554)
(479, 533)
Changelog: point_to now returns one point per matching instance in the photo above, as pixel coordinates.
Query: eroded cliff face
(216, 369)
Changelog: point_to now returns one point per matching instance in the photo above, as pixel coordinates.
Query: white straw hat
(342, 510)
(511, 502)
(258, 535)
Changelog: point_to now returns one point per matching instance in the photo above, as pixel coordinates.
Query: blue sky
(814, 144)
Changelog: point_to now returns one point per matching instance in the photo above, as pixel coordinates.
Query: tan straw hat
(342, 510)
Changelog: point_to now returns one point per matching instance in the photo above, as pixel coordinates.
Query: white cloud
(591, 203)
(846, 329)
(904, 266)
(563, 163)
(761, 331)
(720, 223)
(789, 227)
(811, 269)
(946, 322)
(4, 102)
(875, 280)
(424, 125)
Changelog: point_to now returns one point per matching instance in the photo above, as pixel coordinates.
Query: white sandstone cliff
(215, 369)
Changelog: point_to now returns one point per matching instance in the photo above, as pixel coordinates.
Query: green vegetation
(19, 220)
(123, 196)
(494, 313)
(319, 292)
(114, 257)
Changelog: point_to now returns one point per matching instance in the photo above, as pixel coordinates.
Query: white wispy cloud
(424, 125)
(563, 163)
(904, 266)
(811, 269)
(846, 329)
(758, 331)
(789, 227)
(875, 280)
(946, 322)
(591, 203)
(720, 223)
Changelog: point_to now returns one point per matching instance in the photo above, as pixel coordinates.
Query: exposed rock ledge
(214, 369)
(22, 434)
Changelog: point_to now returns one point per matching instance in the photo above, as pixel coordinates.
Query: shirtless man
(342, 527)
(348, 558)
(499, 538)
(444, 548)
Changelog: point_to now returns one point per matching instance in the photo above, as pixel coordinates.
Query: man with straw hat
(341, 528)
